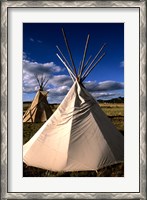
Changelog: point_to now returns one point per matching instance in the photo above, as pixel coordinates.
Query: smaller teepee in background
(39, 111)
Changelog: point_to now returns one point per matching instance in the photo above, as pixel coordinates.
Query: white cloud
(59, 80)
(31, 39)
(59, 84)
(105, 95)
(57, 94)
(49, 70)
(24, 56)
(34, 40)
(60, 91)
(39, 41)
(109, 85)
(40, 68)
(122, 64)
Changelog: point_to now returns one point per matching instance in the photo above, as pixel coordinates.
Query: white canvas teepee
(39, 111)
(78, 136)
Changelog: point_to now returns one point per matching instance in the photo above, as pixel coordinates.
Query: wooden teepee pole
(68, 69)
(84, 55)
(83, 78)
(88, 68)
(65, 59)
(69, 52)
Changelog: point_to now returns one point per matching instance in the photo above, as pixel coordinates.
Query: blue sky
(106, 80)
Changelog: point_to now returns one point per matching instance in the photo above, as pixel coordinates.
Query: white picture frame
(7, 141)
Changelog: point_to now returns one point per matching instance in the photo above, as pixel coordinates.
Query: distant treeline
(29, 102)
(115, 100)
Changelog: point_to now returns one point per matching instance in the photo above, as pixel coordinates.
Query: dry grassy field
(115, 111)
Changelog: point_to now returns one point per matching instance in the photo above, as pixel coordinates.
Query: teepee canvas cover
(77, 137)
(39, 111)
